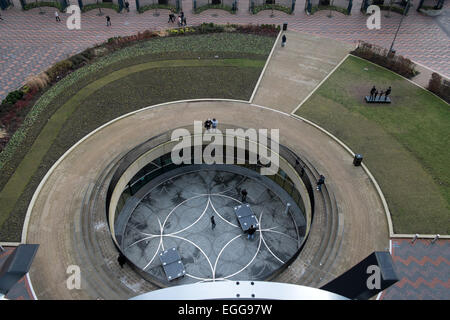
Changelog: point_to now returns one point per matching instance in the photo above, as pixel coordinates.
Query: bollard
(357, 160)
(287, 208)
(415, 238)
(435, 239)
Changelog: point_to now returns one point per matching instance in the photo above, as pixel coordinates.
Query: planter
(430, 12)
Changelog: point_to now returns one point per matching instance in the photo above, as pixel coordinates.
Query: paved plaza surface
(423, 268)
(177, 211)
(30, 42)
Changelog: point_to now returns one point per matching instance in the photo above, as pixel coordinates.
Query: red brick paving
(31, 42)
(423, 269)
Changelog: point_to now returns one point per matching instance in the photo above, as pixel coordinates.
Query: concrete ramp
(295, 70)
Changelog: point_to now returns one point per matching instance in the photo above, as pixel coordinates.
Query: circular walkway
(58, 225)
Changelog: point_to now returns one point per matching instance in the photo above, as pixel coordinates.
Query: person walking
(208, 124)
(171, 18)
(320, 182)
(121, 259)
(108, 21)
(213, 223)
(375, 95)
(244, 195)
(388, 92)
(127, 6)
(251, 232)
(184, 21)
(57, 16)
(179, 21)
(283, 40)
(214, 123)
(372, 93)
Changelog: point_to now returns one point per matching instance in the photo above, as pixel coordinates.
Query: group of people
(211, 124)
(374, 93)
(181, 19)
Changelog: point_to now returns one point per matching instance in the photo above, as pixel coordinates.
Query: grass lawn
(405, 145)
(208, 66)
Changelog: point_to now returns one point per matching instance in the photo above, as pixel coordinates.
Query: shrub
(278, 7)
(382, 57)
(439, 86)
(214, 6)
(210, 28)
(33, 5)
(78, 61)
(264, 29)
(108, 5)
(39, 82)
(328, 7)
(21, 104)
(89, 53)
(434, 85)
(157, 6)
(59, 69)
(13, 97)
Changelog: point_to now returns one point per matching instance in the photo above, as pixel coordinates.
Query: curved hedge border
(277, 7)
(214, 6)
(106, 5)
(156, 45)
(157, 6)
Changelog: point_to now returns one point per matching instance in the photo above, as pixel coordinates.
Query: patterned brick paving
(21, 291)
(30, 42)
(423, 269)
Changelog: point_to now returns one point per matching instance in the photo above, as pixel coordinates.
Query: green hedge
(106, 5)
(157, 6)
(214, 6)
(334, 8)
(386, 8)
(13, 97)
(393, 8)
(278, 7)
(33, 5)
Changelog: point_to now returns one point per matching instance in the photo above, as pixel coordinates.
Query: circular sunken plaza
(323, 234)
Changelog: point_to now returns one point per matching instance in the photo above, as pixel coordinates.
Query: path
(295, 70)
